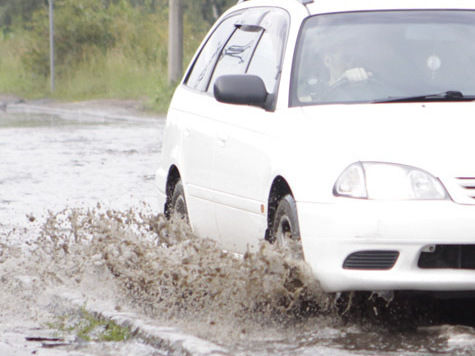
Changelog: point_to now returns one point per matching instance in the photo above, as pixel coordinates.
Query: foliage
(17, 11)
(14, 78)
(80, 28)
(140, 35)
(210, 9)
(103, 48)
(20, 12)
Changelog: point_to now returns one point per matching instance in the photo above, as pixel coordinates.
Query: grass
(110, 75)
(88, 327)
(14, 79)
(114, 76)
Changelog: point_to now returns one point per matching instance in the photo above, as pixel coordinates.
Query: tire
(178, 209)
(285, 228)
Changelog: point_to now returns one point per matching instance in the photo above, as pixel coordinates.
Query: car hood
(437, 137)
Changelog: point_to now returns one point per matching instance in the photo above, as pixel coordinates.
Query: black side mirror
(242, 89)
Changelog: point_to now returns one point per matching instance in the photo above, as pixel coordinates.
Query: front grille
(371, 260)
(449, 257)
(468, 185)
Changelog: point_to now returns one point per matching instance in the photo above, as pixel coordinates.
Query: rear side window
(202, 68)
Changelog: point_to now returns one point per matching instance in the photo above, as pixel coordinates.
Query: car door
(190, 108)
(241, 167)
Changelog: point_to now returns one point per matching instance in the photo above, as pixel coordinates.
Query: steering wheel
(344, 89)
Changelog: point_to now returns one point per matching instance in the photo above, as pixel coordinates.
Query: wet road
(78, 197)
(50, 163)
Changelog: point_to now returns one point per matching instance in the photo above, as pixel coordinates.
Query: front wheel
(285, 227)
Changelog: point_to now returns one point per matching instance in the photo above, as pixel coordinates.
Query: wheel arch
(279, 188)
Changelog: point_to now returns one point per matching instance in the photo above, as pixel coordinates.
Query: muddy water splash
(163, 269)
(259, 301)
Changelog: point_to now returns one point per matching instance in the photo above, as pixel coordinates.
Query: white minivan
(342, 128)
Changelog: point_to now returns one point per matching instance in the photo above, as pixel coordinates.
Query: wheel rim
(284, 231)
(286, 240)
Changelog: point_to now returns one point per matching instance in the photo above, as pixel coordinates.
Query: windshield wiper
(451, 95)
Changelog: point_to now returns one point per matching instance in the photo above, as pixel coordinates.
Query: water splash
(157, 267)
(161, 268)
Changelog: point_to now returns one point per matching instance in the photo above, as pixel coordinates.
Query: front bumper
(332, 232)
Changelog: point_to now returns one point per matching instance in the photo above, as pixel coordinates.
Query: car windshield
(385, 56)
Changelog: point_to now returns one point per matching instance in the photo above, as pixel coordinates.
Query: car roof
(330, 6)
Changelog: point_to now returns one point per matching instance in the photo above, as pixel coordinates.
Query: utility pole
(51, 44)
(175, 41)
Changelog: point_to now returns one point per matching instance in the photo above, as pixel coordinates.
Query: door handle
(222, 139)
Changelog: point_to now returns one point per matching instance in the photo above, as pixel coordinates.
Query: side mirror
(242, 89)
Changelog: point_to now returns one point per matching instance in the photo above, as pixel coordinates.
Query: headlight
(374, 180)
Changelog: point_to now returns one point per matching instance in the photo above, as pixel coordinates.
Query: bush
(81, 28)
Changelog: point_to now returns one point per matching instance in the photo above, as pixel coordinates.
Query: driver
(326, 71)
(341, 69)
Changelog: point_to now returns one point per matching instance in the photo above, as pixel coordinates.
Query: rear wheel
(285, 227)
(178, 208)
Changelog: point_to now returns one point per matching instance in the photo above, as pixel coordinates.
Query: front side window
(267, 59)
(236, 54)
(383, 56)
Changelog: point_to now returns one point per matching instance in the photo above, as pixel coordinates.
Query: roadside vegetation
(89, 327)
(104, 48)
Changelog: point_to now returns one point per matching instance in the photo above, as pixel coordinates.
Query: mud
(165, 271)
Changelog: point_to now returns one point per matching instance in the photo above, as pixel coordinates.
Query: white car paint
(229, 155)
